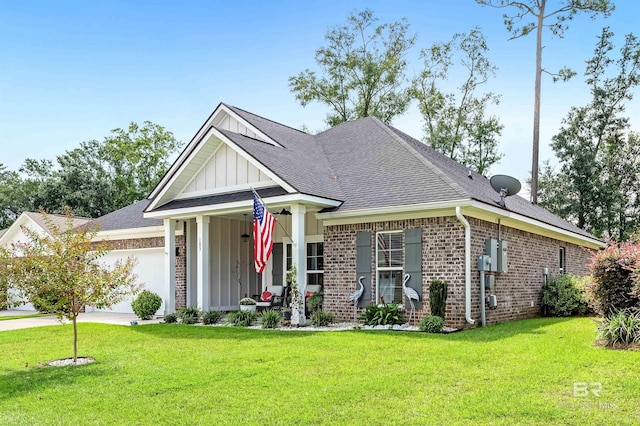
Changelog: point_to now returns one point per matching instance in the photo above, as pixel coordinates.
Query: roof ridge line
(267, 119)
(457, 188)
(331, 168)
(248, 137)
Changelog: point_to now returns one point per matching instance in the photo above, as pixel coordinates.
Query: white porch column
(203, 262)
(170, 264)
(298, 256)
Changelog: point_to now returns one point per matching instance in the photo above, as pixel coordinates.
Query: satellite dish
(505, 186)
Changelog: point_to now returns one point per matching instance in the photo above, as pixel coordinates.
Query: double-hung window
(389, 265)
(315, 262)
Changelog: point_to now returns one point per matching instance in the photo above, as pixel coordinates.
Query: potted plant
(314, 303)
(247, 304)
(286, 314)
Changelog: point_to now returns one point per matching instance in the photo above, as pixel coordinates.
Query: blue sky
(73, 70)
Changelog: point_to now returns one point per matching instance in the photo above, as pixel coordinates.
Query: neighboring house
(35, 222)
(126, 232)
(360, 199)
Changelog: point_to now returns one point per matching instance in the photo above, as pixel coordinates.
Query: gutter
(467, 265)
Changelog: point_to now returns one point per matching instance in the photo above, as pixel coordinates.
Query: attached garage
(149, 270)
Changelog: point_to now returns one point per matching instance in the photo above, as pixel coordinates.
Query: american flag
(263, 224)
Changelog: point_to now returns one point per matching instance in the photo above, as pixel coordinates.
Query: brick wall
(518, 291)
(181, 269)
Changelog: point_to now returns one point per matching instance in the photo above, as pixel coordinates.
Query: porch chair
(271, 297)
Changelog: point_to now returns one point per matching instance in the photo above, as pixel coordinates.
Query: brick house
(360, 199)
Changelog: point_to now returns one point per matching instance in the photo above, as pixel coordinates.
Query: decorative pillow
(266, 296)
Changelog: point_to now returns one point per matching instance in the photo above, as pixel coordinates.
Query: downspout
(467, 266)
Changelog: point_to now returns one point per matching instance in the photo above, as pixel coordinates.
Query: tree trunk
(75, 339)
(536, 107)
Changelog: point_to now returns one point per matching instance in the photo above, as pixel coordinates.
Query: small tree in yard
(61, 272)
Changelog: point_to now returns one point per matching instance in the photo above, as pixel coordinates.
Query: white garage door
(150, 272)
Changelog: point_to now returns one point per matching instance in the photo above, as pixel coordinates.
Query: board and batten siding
(225, 169)
(232, 275)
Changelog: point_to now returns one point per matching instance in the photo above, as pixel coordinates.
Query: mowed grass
(516, 373)
(12, 317)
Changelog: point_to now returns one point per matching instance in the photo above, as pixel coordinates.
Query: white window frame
(286, 243)
(562, 254)
(386, 268)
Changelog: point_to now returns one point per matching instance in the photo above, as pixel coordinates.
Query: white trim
(165, 187)
(225, 140)
(474, 209)
(160, 248)
(199, 137)
(248, 125)
(240, 206)
(16, 225)
(534, 226)
(386, 268)
(393, 209)
(132, 233)
(252, 160)
(226, 189)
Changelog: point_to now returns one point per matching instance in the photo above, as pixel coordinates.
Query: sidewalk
(103, 317)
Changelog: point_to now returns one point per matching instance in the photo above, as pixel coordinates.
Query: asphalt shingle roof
(56, 220)
(128, 217)
(367, 164)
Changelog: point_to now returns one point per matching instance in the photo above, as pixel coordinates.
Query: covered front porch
(212, 266)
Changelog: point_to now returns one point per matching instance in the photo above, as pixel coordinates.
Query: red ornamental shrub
(614, 277)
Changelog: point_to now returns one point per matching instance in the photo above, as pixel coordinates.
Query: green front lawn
(11, 317)
(516, 373)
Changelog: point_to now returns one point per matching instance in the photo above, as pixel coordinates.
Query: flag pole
(277, 220)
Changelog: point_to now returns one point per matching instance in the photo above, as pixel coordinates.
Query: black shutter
(363, 266)
(276, 254)
(413, 262)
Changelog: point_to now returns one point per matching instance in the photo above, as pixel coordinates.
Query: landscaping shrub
(171, 319)
(614, 277)
(321, 319)
(146, 304)
(189, 314)
(314, 302)
(438, 298)
(431, 324)
(211, 317)
(382, 314)
(241, 318)
(621, 328)
(564, 296)
(270, 319)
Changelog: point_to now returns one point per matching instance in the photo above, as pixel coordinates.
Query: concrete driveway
(103, 317)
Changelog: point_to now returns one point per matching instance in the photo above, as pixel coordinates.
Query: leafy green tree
(62, 273)
(555, 20)
(99, 176)
(599, 157)
(457, 124)
(10, 200)
(137, 157)
(362, 71)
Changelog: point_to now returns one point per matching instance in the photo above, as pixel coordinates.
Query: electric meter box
(491, 250)
(502, 256)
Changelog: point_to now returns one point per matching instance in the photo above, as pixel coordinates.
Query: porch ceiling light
(245, 237)
(285, 212)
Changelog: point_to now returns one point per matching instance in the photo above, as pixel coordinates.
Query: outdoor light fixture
(245, 237)
(285, 212)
